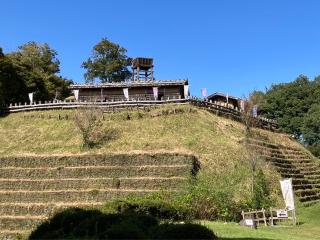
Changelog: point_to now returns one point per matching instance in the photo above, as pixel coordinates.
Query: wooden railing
(234, 114)
(72, 104)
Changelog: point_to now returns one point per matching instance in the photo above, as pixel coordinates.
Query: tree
(289, 103)
(311, 126)
(88, 121)
(38, 66)
(37, 58)
(12, 85)
(108, 62)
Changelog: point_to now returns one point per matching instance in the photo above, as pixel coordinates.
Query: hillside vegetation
(44, 151)
(215, 141)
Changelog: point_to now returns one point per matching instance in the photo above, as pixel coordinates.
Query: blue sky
(231, 46)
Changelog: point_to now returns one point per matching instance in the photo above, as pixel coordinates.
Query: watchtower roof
(142, 63)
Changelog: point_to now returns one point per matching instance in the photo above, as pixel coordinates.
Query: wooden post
(294, 219)
(264, 216)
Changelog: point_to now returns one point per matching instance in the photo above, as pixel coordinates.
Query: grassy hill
(225, 176)
(215, 141)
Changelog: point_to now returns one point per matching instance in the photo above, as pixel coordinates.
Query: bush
(155, 206)
(183, 231)
(76, 223)
(315, 150)
(261, 193)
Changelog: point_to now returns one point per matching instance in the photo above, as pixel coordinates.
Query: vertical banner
(126, 93)
(31, 97)
(186, 91)
(242, 105)
(227, 98)
(255, 111)
(204, 92)
(155, 93)
(76, 94)
(287, 193)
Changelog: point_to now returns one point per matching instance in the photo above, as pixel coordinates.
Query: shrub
(315, 150)
(158, 207)
(261, 193)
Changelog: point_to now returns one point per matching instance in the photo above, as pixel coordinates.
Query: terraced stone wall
(33, 187)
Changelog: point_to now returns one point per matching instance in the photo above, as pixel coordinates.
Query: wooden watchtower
(142, 69)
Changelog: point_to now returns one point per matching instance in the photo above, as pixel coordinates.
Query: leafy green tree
(12, 85)
(288, 103)
(311, 126)
(108, 62)
(38, 65)
(257, 98)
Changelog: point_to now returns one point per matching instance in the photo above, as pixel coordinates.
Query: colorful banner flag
(204, 92)
(155, 93)
(287, 193)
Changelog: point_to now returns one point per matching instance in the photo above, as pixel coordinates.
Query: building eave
(132, 84)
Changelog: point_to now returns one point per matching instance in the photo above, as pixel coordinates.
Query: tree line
(296, 107)
(34, 68)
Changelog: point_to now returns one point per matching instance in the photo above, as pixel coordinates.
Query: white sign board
(249, 222)
(287, 193)
(282, 214)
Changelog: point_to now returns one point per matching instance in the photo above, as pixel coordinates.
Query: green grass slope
(216, 141)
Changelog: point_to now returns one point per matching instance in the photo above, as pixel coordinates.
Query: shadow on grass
(244, 238)
(76, 223)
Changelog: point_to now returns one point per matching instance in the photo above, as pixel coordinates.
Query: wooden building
(225, 100)
(141, 87)
(131, 91)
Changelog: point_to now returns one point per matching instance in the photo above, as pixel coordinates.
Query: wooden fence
(234, 114)
(71, 104)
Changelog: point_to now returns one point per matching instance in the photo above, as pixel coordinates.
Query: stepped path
(295, 163)
(32, 188)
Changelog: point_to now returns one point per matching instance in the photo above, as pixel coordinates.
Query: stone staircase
(33, 188)
(295, 163)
